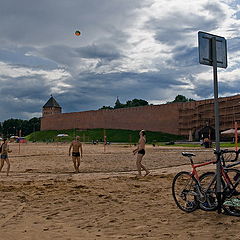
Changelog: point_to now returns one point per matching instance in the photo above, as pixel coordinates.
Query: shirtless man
(76, 146)
(140, 150)
(4, 155)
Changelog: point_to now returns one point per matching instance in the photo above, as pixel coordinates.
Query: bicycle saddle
(187, 154)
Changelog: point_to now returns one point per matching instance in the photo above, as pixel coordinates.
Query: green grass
(226, 145)
(222, 145)
(113, 135)
(179, 145)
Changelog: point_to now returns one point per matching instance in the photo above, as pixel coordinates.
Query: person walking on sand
(140, 150)
(77, 152)
(4, 155)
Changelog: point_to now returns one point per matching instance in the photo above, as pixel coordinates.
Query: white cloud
(132, 49)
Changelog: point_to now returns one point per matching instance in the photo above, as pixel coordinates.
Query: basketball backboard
(205, 49)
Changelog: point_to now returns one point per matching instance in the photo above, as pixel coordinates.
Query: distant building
(190, 119)
(51, 107)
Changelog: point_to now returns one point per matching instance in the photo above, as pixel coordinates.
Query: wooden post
(130, 139)
(236, 135)
(19, 142)
(104, 140)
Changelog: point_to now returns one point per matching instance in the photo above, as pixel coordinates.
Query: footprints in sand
(12, 214)
(94, 208)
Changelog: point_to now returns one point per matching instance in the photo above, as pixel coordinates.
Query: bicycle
(187, 190)
(230, 179)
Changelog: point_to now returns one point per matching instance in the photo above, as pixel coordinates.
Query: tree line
(16, 127)
(140, 102)
(131, 103)
(181, 98)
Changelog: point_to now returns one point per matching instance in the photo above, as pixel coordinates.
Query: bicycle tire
(184, 191)
(231, 198)
(208, 186)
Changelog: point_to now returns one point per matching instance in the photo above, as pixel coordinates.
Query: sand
(43, 198)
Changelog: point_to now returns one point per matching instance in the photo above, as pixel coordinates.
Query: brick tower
(51, 107)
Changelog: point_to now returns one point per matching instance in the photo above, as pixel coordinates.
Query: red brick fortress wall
(176, 118)
(161, 118)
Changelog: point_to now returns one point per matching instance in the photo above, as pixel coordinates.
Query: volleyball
(77, 33)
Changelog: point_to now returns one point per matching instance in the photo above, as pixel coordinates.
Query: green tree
(181, 98)
(136, 103)
(130, 103)
(106, 107)
(13, 127)
(35, 123)
(30, 126)
(1, 128)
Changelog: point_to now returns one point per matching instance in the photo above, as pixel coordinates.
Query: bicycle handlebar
(220, 156)
(229, 151)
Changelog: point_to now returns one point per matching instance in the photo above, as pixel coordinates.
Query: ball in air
(77, 33)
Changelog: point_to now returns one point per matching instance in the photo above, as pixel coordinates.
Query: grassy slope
(113, 135)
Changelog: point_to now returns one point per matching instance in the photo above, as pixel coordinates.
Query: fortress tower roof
(51, 103)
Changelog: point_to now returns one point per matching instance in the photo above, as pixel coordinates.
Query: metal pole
(104, 140)
(216, 113)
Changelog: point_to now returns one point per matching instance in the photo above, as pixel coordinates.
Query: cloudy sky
(144, 49)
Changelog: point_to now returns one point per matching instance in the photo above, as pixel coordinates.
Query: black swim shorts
(76, 154)
(4, 156)
(142, 151)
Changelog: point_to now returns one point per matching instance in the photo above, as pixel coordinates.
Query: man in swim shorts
(140, 150)
(4, 155)
(77, 153)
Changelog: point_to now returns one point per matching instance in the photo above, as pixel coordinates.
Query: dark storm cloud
(60, 54)
(24, 94)
(102, 51)
(45, 22)
(16, 87)
(123, 80)
(226, 87)
(102, 89)
(175, 28)
(68, 55)
(215, 10)
(205, 89)
(184, 56)
(22, 56)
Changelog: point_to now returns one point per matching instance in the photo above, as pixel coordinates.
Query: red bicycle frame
(195, 166)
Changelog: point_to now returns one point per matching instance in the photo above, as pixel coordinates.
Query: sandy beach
(43, 198)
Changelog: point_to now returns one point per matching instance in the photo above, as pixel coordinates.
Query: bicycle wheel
(184, 191)
(231, 196)
(208, 186)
